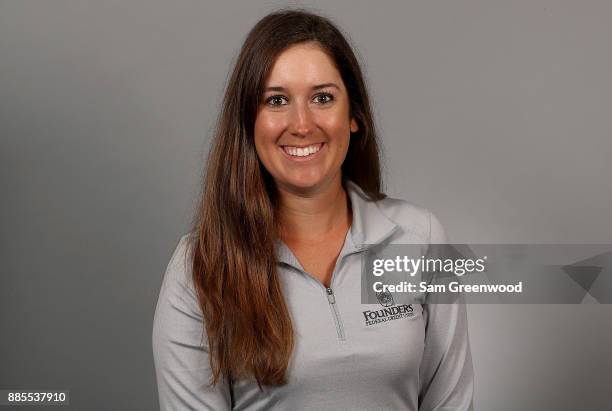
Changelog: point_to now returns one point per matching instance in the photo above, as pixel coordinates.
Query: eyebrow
(317, 87)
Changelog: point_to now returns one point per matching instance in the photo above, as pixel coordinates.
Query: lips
(302, 152)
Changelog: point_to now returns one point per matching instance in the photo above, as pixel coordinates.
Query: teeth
(302, 151)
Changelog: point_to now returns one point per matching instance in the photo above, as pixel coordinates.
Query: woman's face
(303, 125)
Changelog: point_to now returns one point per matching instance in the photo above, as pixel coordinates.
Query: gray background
(494, 114)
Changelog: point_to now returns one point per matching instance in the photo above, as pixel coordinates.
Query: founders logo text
(390, 311)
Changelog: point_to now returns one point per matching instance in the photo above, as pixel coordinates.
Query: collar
(370, 226)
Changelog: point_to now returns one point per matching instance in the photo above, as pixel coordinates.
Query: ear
(354, 126)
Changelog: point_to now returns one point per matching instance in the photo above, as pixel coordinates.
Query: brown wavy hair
(245, 316)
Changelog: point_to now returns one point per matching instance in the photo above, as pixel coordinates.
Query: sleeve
(180, 352)
(446, 374)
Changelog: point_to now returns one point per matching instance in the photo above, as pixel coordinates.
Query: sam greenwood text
(453, 287)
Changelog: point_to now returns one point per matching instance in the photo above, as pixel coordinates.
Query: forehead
(303, 65)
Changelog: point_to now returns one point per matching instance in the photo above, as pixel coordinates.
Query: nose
(301, 121)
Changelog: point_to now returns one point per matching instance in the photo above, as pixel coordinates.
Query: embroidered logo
(390, 311)
(385, 299)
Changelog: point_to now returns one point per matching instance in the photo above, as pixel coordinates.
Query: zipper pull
(330, 296)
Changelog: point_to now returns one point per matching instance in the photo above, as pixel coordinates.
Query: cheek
(336, 126)
(268, 128)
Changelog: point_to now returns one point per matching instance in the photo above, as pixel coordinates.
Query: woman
(260, 307)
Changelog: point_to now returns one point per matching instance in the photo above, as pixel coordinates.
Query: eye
(275, 100)
(324, 98)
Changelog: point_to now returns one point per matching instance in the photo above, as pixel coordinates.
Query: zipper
(337, 319)
(331, 298)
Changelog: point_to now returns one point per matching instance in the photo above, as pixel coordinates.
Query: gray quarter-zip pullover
(419, 360)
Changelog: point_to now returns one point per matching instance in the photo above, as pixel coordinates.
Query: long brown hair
(246, 318)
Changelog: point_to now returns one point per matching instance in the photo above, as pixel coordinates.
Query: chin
(305, 182)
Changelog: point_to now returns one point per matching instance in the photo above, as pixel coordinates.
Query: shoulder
(177, 309)
(178, 270)
(416, 222)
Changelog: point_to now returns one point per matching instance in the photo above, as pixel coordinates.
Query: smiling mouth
(305, 151)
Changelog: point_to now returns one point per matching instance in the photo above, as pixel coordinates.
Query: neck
(309, 217)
